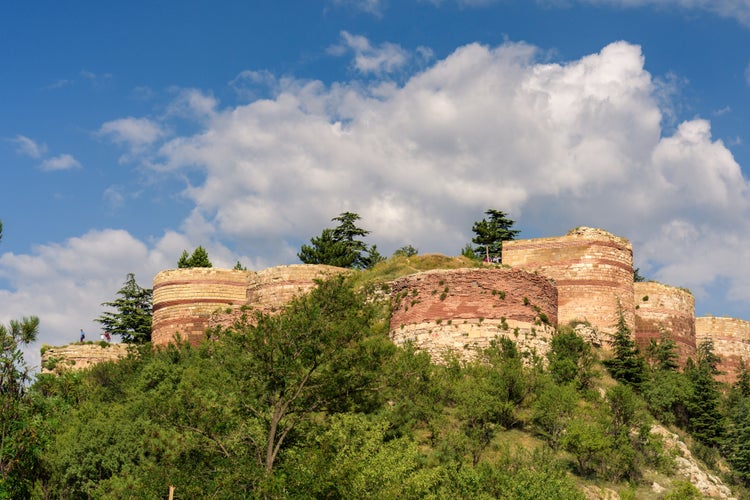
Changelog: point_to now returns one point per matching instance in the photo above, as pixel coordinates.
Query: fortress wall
(731, 339)
(184, 299)
(662, 307)
(593, 271)
(274, 287)
(462, 309)
(80, 356)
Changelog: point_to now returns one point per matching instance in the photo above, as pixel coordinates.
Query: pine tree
(132, 321)
(199, 258)
(627, 365)
(490, 234)
(706, 421)
(341, 246)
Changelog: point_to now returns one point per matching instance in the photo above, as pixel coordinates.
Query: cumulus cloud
(383, 59)
(28, 147)
(555, 145)
(60, 162)
(135, 133)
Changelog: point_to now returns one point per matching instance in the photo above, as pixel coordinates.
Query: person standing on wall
(83, 335)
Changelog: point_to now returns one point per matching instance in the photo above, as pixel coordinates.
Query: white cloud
(135, 133)
(374, 7)
(28, 147)
(736, 9)
(386, 58)
(192, 103)
(60, 162)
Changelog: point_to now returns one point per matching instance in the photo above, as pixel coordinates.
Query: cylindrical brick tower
(464, 309)
(731, 339)
(274, 287)
(665, 308)
(593, 270)
(184, 299)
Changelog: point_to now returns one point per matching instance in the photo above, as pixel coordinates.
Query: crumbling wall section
(464, 309)
(74, 357)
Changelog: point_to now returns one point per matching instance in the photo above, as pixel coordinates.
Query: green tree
(706, 422)
(490, 233)
(662, 355)
(571, 359)
(132, 317)
(17, 460)
(627, 365)
(239, 267)
(406, 251)
(341, 246)
(323, 353)
(199, 258)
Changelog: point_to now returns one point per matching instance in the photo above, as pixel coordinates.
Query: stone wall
(184, 300)
(80, 356)
(665, 308)
(731, 339)
(593, 271)
(274, 287)
(463, 309)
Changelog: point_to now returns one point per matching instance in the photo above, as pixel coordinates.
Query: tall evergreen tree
(132, 319)
(627, 365)
(341, 246)
(491, 232)
(661, 355)
(706, 422)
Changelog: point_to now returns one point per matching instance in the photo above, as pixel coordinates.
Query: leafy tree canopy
(341, 246)
(490, 232)
(199, 258)
(627, 365)
(132, 317)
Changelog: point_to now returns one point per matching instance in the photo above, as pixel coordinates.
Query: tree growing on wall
(199, 258)
(341, 246)
(490, 232)
(132, 317)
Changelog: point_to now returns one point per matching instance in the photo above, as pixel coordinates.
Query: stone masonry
(662, 308)
(731, 339)
(593, 271)
(464, 309)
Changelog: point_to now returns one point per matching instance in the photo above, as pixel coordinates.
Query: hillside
(318, 402)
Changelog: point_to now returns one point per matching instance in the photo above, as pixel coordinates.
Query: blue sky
(132, 131)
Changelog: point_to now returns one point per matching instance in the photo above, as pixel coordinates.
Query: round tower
(464, 309)
(731, 339)
(661, 308)
(184, 299)
(593, 271)
(272, 288)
